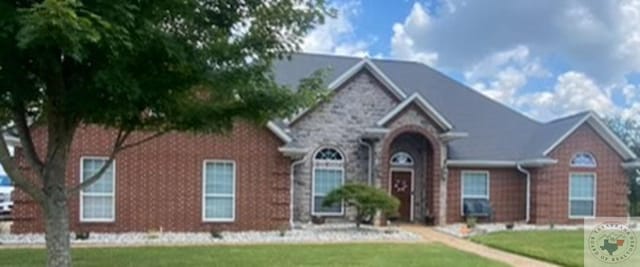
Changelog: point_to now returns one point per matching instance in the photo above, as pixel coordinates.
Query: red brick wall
(507, 194)
(159, 184)
(550, 185)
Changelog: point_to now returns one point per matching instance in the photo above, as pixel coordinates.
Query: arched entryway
(411, 166)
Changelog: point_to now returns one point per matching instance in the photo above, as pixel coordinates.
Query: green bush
(367, 200)
(472, 222)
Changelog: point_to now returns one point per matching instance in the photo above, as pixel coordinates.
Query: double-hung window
(582, 195)
(219, 191)
(97, 201)
(328, 174)
(475, 185)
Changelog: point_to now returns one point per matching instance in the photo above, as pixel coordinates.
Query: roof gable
(339, 81)
(424, 105)
(602, 130)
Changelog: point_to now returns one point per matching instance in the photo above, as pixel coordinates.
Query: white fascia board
(293, 152)
(450, 136)
(426, 107)
(537, 162)
(375, 133)
(12, 140)
(631, 165)
(279, 132)
(501, 163)
(602, 130)
(344, 77)
(481, 163)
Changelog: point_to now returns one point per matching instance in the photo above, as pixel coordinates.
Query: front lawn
(404, 255)
(561, 247)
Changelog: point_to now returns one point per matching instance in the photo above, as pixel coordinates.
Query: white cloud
(501, 75)
(403, 42)
(573, 92)
(500, 46)
(598, 38)
(336, 35)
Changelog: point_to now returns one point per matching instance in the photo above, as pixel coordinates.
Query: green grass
(404, 255)
(561, 247)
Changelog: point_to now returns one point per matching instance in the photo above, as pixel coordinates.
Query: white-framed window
(97, 201)
(582, 195)
(328, 174)
(401, 159)
(584, 160)
(219, 191)
(474, 185)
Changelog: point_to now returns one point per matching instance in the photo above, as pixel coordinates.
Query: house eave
(540, 162)
(375, 133)
(293, 152)
(451, 136)
(12, 140)
(631, 165)
(279, 132)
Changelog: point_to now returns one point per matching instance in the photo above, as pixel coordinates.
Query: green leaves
(193, 65)
(366, 199)
(59, 24)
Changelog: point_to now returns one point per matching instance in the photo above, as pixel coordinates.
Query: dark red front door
(401, 189)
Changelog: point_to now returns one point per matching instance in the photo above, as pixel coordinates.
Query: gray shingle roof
(496, 132)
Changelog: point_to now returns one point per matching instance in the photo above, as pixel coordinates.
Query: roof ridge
(321, 54)
(467, 87)
(572, 116)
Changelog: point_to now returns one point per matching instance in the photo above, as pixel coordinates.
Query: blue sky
(545, 58)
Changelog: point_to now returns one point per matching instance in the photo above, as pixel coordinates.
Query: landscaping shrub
(82, 235)
(367, 200)
(471, 222)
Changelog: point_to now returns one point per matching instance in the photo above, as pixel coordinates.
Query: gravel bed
(332, 233)
(485, 228)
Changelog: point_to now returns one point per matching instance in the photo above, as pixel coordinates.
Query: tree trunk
(57, 231)
(56, 207)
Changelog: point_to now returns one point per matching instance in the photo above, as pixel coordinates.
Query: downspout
(369, 164)
(292, 185)
(528, 175)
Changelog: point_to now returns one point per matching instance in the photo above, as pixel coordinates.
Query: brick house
(430, 141)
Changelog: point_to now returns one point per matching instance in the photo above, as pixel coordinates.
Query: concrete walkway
(431, 235)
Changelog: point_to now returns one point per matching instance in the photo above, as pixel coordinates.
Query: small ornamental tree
(146, 65)
(367, 200)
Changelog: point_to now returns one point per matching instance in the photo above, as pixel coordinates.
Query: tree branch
(11, 167)
(26, 140)
(118, 146)
(143, 140)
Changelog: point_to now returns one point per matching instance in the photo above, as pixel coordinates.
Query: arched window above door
(401, 159)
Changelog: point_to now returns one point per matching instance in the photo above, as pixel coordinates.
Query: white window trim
(595, 161)
(462, 195)
(205, 195)
(112, 195)
(594, 198)
(313, 180)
